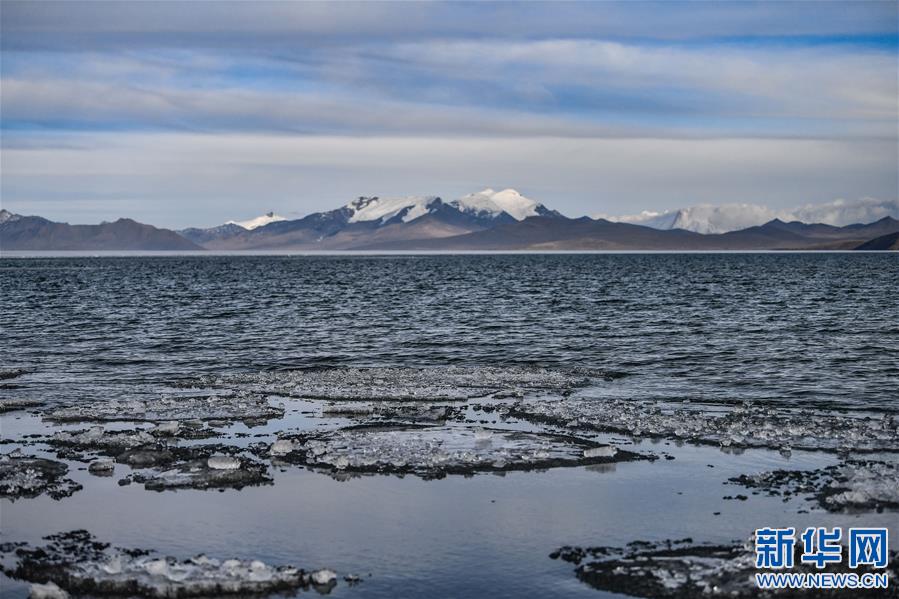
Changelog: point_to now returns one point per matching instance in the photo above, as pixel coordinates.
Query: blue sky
(181, 113)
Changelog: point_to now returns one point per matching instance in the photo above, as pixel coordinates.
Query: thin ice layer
(746, 425)
(439, 450)
(225, 407)
(454, 383)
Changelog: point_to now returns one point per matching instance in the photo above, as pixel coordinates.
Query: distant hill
(559, 233)
(373, 220)
(35, 233)
(488, 220)
(884, 242)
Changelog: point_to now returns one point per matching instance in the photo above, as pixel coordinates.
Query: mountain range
(487, 220)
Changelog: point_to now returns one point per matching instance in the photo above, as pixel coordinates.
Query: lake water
(818, 332)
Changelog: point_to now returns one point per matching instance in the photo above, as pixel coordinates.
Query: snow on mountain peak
(7, 216)
(383, 209)
(259, 221)
(495, 203)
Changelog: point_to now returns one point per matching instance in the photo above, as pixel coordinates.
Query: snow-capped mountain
(259, 221)
(492, 203)
(706, 218)
(384, 210)
(7, 216)
(373, 219)
(486, 204)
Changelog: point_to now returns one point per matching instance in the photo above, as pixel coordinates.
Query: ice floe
(77, 563)
(451, 383)
(237, 407)
(852, 485)
(433, 451)
(680, 569)
(29, 476)
(11, 405)
(745, 425)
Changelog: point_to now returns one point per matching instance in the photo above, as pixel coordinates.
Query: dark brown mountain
(884, 242)
(555, 233)
(36, 233)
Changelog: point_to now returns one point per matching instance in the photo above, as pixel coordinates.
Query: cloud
(192, 112)
(707, 218)
(55, 25)
(183, 179)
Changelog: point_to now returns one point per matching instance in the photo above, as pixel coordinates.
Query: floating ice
(241, 406)
(29, 476)
(223, 462)
(76, 563)
(12, 405)
(167, 428)
(281, 447)
(854, 484)
(102, 466)
(324, 577)
(600, 452)
(676, 569)
(431, 451)
(98, 438)
(214, 472)
(453, 383)
(747, 425)
(47, 591)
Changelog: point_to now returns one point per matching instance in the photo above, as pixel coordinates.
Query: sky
(191, 114)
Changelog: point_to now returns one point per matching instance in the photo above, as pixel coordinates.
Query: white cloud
(188, 179)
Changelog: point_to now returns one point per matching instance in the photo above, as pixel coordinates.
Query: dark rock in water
(682, 570)
(77, 563)
(28, 476)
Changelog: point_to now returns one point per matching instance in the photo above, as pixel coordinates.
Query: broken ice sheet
(12, 405)
(213, 472)
(746, 425)
(681, 569)
(29, 476)
(452, 383)
(852, 485)
(434, 451)
(79, 564)
(243, 407)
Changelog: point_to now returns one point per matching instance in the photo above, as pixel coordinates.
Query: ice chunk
(324, 577)
(47, 591)
(103, 467)
(281, 447)
(223, 462)
(601, 452)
